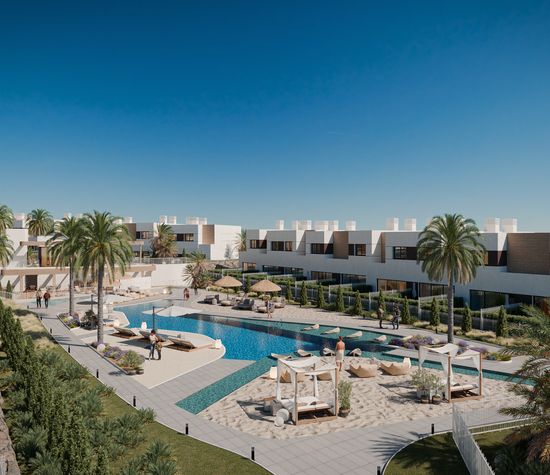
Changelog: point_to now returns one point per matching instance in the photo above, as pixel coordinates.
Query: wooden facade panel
(208, 234)
(529, 253)
(341, 242)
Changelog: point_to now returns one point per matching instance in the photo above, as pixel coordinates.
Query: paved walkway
(357, 451)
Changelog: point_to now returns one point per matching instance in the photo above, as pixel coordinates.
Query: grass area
(439, 454)
(192, 456)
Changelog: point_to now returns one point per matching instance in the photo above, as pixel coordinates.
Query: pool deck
(355, 451)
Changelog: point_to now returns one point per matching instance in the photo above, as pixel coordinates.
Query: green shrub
(247, 284)
(406, 314)
(466, 325)
(289, 290)
(382, 301)
(321, 297)
(9, 288)
(434, 313)
(358, 305)
(131, 360)
(502, 324)
(340, 307)
(344, 394)
(303, 295)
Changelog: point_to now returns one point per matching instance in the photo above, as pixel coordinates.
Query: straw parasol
(265, 286)
(227, 282)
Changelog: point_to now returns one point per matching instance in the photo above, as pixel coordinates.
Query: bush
(466, 325)
(321, 297)
(344, 394)
(303, 295)
(406, 314)
(434, 313)
(247, 284)
(382, 301)
(131, 360)
(358, 305)
(340, 307)
(289, 291)
(502, 324)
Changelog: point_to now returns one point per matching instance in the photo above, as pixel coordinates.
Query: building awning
(34, 243)
(21, 271)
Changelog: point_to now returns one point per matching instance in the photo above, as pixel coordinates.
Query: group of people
(394, 320)
(186, 294)
(154, 344)
(39, 296)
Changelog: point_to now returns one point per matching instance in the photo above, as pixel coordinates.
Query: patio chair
(124, 332)
(364, 371)
(246, 304)
(396, 369)
(303, 353)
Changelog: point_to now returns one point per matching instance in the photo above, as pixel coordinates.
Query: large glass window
(496, 258)
(144, 234)
(281, 245)
(186, 237)
(248, 266)
(258, 244)
(317, 275)
(481, 299)
(399, 285)
(321, 248)
(404, 253)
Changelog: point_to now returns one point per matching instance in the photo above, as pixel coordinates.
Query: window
(258, 244)
(248, 266)
(357, 249)
(281, 245)
(144, 234)
(495, 258)
(187, 237)
(404, 253)
(316, 275)
(273, 269)
(320, 248)
(399, 285)
(482, 299)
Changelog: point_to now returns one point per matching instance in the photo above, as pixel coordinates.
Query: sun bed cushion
(364, 371)
(304, 353)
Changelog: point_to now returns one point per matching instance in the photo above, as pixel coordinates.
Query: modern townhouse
(516, 270)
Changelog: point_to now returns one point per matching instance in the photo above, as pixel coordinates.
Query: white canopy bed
(447, 355)
(307, 405)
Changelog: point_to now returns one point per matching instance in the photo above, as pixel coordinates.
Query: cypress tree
(9, 288)
(466, 320)
(434, 313)
(502, 323)
(247, 284)
(77, 455)
(406, 314)
(321, 297)
(381, 301)
(358, 305)
(303, 294)
(289, 290)
(102, 463)
(340, 307)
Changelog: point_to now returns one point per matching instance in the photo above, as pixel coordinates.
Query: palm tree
(6, 218)
(6, 250)
(241, 241)
(39, 222)
(449, 248)
(64, 248)
(535, 343)
(197, 270)
(105, 245)
(164, 243)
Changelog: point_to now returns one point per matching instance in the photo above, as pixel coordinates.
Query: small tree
(406, 314)
(247, 284)
(382, 301)
(321, 297)
(467, 320)
(289, 290)
(434, 313)
(303, 294)
(358, 305)
(9, 288)
(502, 323)
(340, 307)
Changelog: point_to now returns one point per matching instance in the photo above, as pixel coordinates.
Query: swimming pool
(248, 339)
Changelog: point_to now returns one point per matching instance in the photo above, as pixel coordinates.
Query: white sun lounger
(381, 338)
(355, 352)
(125, 332)
(356, 334)
(187, 344)
(312, 327)
(277, 356)
(303, 353)
(332, 330)
(328, 352)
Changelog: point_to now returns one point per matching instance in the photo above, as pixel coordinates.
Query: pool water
(247, 339)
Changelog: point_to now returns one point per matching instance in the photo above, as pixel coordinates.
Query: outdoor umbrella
(265, 286)
(228, 282)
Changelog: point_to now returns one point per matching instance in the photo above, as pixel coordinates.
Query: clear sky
(249, 111)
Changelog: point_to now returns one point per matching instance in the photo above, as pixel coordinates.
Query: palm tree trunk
(450, 311)
(100, 274)
(71, 289)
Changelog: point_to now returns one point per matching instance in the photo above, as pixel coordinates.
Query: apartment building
(516, 270)
(215, 241)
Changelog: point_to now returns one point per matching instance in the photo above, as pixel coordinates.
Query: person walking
(186, 294)
(153, 339)
(47, 298)
(38, 299)
(158, 347)
(380, 314)
(396, 315)
(340, 350)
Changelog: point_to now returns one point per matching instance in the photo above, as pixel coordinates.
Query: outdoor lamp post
(154, 320)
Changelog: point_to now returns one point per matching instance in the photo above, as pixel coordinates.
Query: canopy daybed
(311, 408)
(448, 354)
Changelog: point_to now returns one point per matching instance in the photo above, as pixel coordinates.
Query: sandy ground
(375, 401)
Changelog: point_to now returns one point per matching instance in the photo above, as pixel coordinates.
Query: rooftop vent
(128, 219)
(491, 225)
(392, 224)
(172, 219)
(351, 225)
(333, 225)
(280, 224)
(321, 226)
(509, 225)
(191, 220)
(410, 224)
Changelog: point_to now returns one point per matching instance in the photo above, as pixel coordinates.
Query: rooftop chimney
(280, 224)
(392, 224)
(509, 225)
(172, 219)
(321, 225)
(492, 225)
(128, 220)
(351, 225)
(410, 224)
(333, 225)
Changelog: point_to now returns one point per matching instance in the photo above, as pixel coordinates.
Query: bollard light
(378, 470)
(97, 373)
(186, 429)
(69, 349)
(433, 429)
(252, 454)
(134, 401)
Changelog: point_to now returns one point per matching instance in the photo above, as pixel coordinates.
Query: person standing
(153, 339)
(380, 314)
(340, 350)
(38, 299)
(395, 319)
(47, 297)
(186, 294)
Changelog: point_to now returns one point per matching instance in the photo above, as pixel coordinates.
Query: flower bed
(421, 340)
(127, 360)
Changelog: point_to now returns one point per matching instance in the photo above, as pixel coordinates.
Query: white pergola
(308, 367)
(447, 355)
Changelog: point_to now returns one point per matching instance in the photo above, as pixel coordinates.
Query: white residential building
(517, 266)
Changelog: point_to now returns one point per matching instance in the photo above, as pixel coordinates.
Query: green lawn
(192, 456)
(438, 454)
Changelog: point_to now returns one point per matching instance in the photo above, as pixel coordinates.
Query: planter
(425, 393)
(436, 399)
(425, 401)
(344, 412)
(139, 370)
(129, 370)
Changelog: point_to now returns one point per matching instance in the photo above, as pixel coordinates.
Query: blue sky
(246, 112)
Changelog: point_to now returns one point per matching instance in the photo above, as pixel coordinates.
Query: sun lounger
(124, 332)
(328, 352)
(312, 327)
(246, 304)
(332, 330)
(147, 333)
(187, 344)
(212, 299)
(278, 302)
(227, 303)
(396, 369)
(277, 356)
(356, 334)
(324, 376)
(304, 354)
(381, 339)
(306, 404)
(364, 371)
(355, 352)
